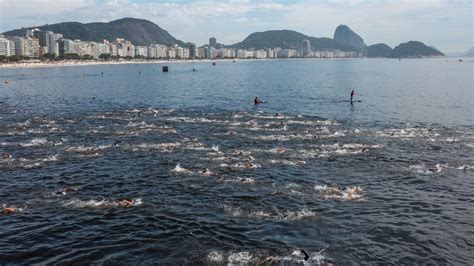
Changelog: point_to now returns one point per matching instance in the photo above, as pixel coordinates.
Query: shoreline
(93, 63)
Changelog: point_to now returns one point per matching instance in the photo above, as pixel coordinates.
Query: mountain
(432, 46)
(379, 50)
(414, 49)
(138, 31)
(288, 39)
(344, 34)
(469, 53)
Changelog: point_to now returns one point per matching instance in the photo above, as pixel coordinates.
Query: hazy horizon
(447, 25)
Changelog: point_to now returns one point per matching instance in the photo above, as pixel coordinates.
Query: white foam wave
(77, 203)
(287, 162)
(32, 143)
(215, 256)
(246, 165)
(288, 215)
(353, 193)
(240, 258)
(295, 257)
(181, 170)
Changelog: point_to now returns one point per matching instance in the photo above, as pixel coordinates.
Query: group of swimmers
(123, 203)
(258, 101)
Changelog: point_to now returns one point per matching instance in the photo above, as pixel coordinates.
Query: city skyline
(444, 24)
(44, 44)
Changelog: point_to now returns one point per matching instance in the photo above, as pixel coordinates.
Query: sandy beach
(41, 64)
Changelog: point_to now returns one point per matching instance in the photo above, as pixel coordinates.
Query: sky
(446, 24)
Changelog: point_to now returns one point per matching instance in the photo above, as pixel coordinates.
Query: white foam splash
(77, 203)
(181, 170)
(32, 143)
(246, 165)
(206, 172)
(407, 133)
(240, 258)
(353, 193)
(215, 256)
(234, 211)
(287, 162)
(288, 215)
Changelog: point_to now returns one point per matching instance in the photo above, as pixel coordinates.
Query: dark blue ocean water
(212, 179)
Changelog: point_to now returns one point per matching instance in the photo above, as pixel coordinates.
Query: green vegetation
(138, 31)
(379, 50)
(288, 39)
(13, 58)
(414, 49)
(71, 56)
(105, 56)
(49, 56)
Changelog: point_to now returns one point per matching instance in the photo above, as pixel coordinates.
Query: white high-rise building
(7, 47)
(179, 52)
(21, 47)
(260, 54)
(141, 51)
(306, 48)
(171, 53)
(287, 53)
(53, 45)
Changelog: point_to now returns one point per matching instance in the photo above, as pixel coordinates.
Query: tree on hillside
(87, 57)
(49, 56)
(105, 56)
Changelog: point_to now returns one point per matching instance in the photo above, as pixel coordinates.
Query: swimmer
(9, 210)
(248, 164)
(125, 203)
(206, 172)
(330, 262)
(299, 252)
(257, 101)
(117, 142)
(65, 190)
(6, 155)
(271, 260)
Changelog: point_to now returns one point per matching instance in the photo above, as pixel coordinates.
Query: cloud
(389, 21)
